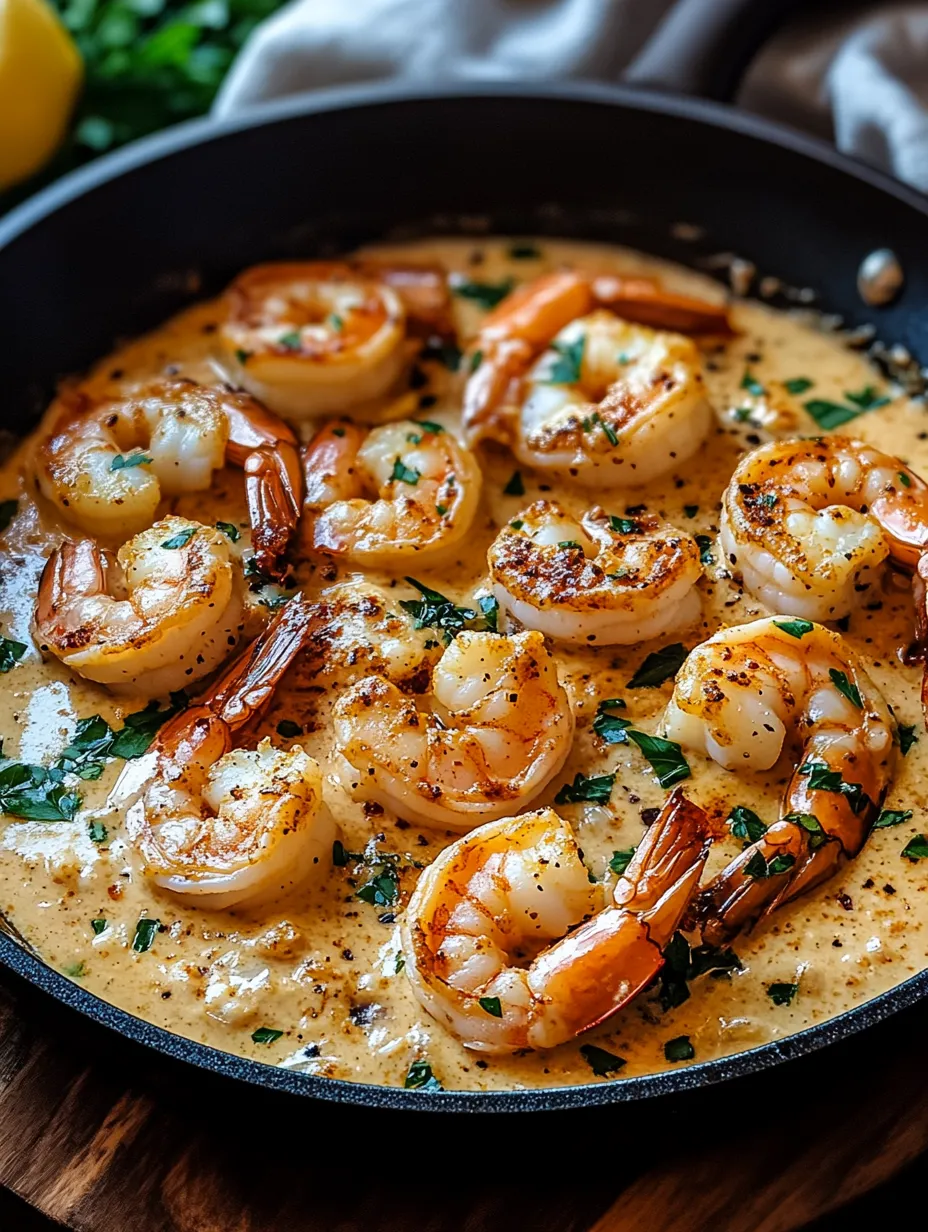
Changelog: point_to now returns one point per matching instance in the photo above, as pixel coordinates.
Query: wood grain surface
(104, 1137)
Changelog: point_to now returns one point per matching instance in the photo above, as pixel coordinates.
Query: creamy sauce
(321, 967)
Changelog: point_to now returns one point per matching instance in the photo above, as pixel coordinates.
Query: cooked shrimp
(598, 579)
(359, 630)
(108, 463)
(737, 698)
(608, 402)
(316, 337)
(384, 496)
(501, 730)
(806, 522)
(477, 910)
(165, 612)
(221, 827)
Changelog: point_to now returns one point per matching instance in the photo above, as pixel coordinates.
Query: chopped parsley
(758, 868)
(382, 890)
(682, 965)
(421, 1078)
(515, 486)
(907, 737)
(916, 848)
(690, 511)
(399, 963)
(492, 1006)
(341, 857)
(292, 340)
(486, 294)
(122, 462)
(746, 825)
(35, 793)
(97, 831)
(596, 788)
(242, 356)
(145, 932)
(659, 666)
(8, 511)
(821, 778)
(751, 384)
(867, 398)
(289, 729)
(517, 524)
(405, 474)
(336, 322)
(476, 360)
(892, 817)
(782, 994)
(10, 653)
(566, 368)
(601, 1062)
(620, 860)
(231, 531)
(665, 757)
(611, 727)
(679, 1049)
(795, 628)
(905, 480)
(570, 544)
(798, 385)
(181, 539)
(596, 420)
(846, 687)
(436, 611)
(812, 826)
(624, 526)
(98, 925)
(704, 543)
(266, 1035)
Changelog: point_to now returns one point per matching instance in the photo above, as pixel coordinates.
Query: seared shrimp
(107, 464)
(477, 909)
(806, 522)
(359, 630)
(501, 730)
(153, 620)
(737, 698)
(316, 337)
(608, 402)
(384, 496)
(221, 827)
(598, 579)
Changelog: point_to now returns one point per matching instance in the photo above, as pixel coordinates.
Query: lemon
(40, 75)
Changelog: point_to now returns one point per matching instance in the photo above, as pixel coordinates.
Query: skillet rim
(21, 961)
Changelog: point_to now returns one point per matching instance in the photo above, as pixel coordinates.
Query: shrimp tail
(273, 484)
(74, 569)
(645, 302)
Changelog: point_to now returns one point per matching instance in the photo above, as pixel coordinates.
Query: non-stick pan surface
(117, 247)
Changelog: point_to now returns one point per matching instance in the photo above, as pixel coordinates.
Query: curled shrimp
(477, 910)
(806, 522)
(316, 337)
(596, 580)
(737, 698)
(222, 827)
(154, 619)
(388, 494)
(587, 394)
(107, 463)
(501, 730)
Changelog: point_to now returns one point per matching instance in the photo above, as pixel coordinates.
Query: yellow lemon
(40, 75)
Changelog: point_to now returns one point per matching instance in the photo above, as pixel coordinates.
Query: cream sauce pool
(321, 967)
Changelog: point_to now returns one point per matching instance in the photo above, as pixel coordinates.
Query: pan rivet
(880, 277)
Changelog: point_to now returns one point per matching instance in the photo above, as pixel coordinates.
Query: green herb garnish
(266, 1035)
(405, 474)
(867, 398)
(10, 653)
(847, 687)
(892, 817)
(907, 736)
(665, 757)
(601, 1062)
(421, 1078)
(292, 340)
(486, 294)
(515, 486)
(98, 925)
(181, 539)
(795, 628)
(620, 860)
(122, 462)
(659, 666)
(231, 531)
(798, 385)
(595, 788)
(704, 543)
(492, 1006)
(746, 825)
(566, 368)
(916, 848)
(679, 1049)
(751, 384)
(782, 994)
(145, 932)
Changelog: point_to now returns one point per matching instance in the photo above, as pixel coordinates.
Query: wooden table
(106, 1138)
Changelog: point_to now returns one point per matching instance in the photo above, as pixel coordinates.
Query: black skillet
(120, 245)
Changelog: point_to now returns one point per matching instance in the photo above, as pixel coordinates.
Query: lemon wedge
(40, 75)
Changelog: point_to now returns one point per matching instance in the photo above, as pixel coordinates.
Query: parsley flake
(181, 539)
(679, 1049)
(659, 666)
(620, 860)
(596, 788)
(846, 687)
(782, 994)
(892, 817)
(486, 294)
(232, 532)
(664, 756)
(566, 368)
(795, 628)
(492, 1006)
(515, 486)
(122, 462)
(145, 932)
(798, 385)
(746, 825)
(10, 653)
(405, 474)
(421, 1078)
(916, 848)
(266, 1035)
(601, 1062)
